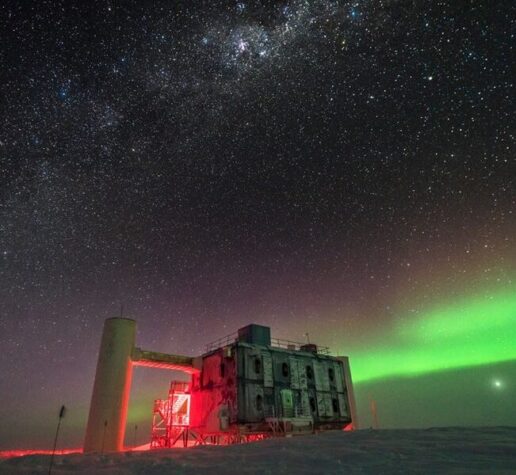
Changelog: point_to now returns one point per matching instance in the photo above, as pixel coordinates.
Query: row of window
(285, 370)
(313, 405)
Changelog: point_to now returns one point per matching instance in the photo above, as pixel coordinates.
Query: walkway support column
(109, 402)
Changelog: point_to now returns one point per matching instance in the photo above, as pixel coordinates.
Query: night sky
(338, 168)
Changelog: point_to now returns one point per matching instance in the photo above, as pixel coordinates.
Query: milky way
(337, 168)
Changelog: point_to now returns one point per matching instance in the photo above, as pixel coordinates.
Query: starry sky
(332, 167)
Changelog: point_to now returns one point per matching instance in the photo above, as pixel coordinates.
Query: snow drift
(430, 451)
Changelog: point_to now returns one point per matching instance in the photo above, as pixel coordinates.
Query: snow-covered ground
(431, 451)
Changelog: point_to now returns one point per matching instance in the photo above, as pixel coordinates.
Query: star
(337, 167)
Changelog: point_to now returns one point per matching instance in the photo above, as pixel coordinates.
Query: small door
(287, 403)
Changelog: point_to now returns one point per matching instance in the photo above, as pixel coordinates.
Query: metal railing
(296, 345)
(224, 341)
(275, 343)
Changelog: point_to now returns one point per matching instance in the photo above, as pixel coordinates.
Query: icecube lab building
(246, 386)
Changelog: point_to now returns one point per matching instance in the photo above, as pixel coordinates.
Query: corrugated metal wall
(248, 383)
(282, 383)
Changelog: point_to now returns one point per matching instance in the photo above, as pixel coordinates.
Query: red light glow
(164, 365)
(24, 452)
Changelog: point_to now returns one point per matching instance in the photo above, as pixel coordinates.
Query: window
(257, 365)
(312, 405)
(309, 373)
(222, 370)
(285, 370)
(259, 402)
(335, 405)
(331, 374)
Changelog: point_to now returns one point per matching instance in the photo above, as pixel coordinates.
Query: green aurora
(470, 332)
(432, 347)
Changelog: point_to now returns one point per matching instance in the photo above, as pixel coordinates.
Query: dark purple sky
(332, 167)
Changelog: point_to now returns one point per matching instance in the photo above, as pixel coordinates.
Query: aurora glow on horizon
(470, 332)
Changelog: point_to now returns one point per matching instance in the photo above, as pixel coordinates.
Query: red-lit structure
(171, 417)
(118, 356)
(252, 387)
(171, 423)
(246, 386)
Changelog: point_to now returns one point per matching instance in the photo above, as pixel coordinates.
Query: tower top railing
(221, 342)
(275, 343)
(299, 346)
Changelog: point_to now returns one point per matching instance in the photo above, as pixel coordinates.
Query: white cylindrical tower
(109, 401)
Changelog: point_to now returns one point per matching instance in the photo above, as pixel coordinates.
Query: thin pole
(374, 413)
(103, 436)
(61, 415)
